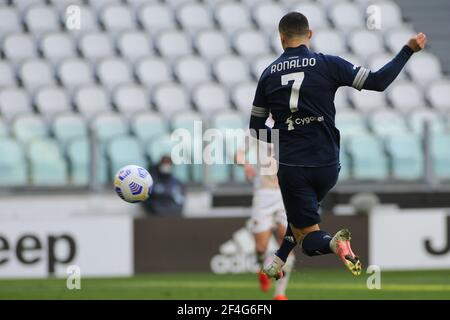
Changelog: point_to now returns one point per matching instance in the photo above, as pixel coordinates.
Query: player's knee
(260, 248)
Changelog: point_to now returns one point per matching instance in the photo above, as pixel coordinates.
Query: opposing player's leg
(261, 243)
(281, 285)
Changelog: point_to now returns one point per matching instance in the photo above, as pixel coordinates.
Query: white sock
(280, 286)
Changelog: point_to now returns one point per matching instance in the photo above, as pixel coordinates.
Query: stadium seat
(147, 125)
(7, 76)
(344, 161)
(152, 71)
(95, 46)
(18, 47)
(230, 70)
(418, 117)
(368, 159)
(28, 127)
(173, 44)
(341, 101)
(78, 153)
(211, 44)
(267, 15)
(424, 68)
(170, 98)
(210, 97)
(232, 16)
(260, 63)
(124, 150)
(36, 73)
(328, 41)
(109, 125)
(9, 21)
(156, 17)
(407, 156)
(314, 12)
(131, 98)
(14, 101)
(176, 3)
(40, 19)
(75, 72)
(99, 5)
(366, 100)
(69, 126)
(242, 96)
(47, 165)
(440, 151)
(194, 17)
(391, 15)
(377, 61)
(51, 100)
(134, 45)
(117, 18)
(386, 123)
(3, 129)
(192, 70)
(88, 18)
(57, 46)
(438, 94)
(346, 15)
(13, 165)
(397, 38)
(23, 5)
(250, 43)
(138, 4)
(63, 4)
(276, 43)
(365, 43)
(91, 100)
(405, 96)
(113, 72)
(350, 123)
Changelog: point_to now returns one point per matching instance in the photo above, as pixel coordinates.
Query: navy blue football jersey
(298, 89)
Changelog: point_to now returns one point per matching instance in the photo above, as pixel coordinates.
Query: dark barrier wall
(188, 245)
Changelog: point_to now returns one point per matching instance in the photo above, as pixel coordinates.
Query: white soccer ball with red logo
(133, 184)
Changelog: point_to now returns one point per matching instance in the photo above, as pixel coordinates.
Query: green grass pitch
(304, 284)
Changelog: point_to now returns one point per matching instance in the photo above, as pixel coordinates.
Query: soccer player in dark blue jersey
(298, 89)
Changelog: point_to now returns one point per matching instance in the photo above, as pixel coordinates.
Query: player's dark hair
(294, 24)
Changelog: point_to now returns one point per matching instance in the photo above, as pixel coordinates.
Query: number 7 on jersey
(297, 77)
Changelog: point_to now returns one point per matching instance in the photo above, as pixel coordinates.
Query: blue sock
(287, 245)
(316, 243)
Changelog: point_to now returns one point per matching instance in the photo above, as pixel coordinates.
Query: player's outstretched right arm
(382, 78)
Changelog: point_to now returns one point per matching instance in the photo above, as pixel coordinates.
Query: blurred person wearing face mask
(167, 197)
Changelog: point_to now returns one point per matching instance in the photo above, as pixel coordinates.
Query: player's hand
(250, 172)
(417, 42)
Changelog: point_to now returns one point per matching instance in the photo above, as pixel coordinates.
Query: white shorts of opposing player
(267, 210)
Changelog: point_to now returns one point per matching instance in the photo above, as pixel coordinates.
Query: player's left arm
(259, 114)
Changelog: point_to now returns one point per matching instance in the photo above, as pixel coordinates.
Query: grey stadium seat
(376, 62)
(96, 45)
(89, 21)
(438, 94)
(366, 100)
(7, 75)
(138, 4)
(250, 43)
(424, 68)
(114, 71)
(194, 16)
(40, 19)
(9, 21)
(346, 15)
(328, 41)
(131, 98)
(314, 12)
(406, 96)
(173, 44)
(170, 98)
(210, 97)
(156, 17)
(364, 42)
(29, 126)
(116, 18)
(260, 63)
(211, 44)
(91, 100)
(276, 43)
(109, 125)
(35, 73)
(14, 101)
(391, 15)
(75, 72)
(19, 46)
(68, 127)
(57, 46)
(231, 69)
(23, 5)
(232, 16)
(52, 100)
(267, 15)
(134, 45)
(99, 5)
(385, 123)
(242, 96)
(152, 71)
(418, 117)
(397, 38)
(62, 5)
(192, 70)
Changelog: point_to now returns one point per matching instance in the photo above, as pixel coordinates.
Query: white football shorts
(267, 210)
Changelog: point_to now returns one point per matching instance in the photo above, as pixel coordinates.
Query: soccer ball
(133, 184)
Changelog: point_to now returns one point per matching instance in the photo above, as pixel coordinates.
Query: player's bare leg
(261, 243)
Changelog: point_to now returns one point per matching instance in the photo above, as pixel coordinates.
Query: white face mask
(165, 168)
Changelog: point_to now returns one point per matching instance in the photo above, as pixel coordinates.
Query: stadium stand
(138, 69)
